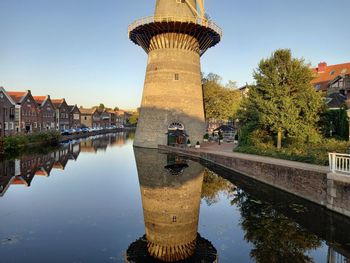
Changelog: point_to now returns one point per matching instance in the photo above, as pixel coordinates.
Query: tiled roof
(39, 99)
(16, 95)
(326, 73)
(87, 111)
(57, 102)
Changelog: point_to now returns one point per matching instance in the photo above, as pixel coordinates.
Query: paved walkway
(226, 149)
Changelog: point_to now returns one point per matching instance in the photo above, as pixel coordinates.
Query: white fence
(339, 163)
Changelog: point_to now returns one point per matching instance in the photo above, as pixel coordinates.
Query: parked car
(85, 130)
(71, 131)
(64, 132)
(78, 130)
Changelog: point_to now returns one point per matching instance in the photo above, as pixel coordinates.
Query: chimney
(322, 67)
(28, 91)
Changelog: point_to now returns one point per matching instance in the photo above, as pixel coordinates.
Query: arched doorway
(176, 134)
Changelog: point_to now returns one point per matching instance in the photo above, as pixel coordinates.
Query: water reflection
(21, 171)
(282, 227)
(171, 189)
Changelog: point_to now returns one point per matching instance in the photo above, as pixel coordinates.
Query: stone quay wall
(312, 182)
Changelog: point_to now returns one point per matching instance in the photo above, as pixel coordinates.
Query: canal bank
(311, 182)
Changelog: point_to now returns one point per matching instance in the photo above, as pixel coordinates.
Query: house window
(174, 219)
(35, 125)
(177, 76)
(6, 126)
(85, 118)
(318, 87)
(11, 126)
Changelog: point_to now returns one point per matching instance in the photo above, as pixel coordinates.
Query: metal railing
(195, 20)
(339, 163)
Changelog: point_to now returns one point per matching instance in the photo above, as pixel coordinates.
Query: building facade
(86, 117)
(74, 117)
(47, 112)
(62, 114)
(7, 114)
(28, 112)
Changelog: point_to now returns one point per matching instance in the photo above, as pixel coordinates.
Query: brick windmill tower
(174, 38)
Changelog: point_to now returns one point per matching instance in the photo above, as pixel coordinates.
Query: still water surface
(101, 200)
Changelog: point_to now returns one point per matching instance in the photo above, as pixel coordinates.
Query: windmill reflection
(171, 193)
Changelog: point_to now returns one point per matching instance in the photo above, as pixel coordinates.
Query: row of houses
(22, 171)
(21, 112)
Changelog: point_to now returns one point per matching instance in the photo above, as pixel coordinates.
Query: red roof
(87, 111)
(39, 99)
(16, 95)
(326, 73)
(57, 102)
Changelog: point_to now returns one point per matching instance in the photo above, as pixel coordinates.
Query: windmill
(200, 15)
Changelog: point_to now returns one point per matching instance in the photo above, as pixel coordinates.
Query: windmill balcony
(205, 31)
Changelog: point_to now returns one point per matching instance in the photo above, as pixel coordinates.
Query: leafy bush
(18, 143)
(315, 153)
(206, 136)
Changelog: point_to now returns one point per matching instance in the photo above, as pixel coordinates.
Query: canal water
(100, 200)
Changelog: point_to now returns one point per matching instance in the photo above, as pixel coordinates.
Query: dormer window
(332, 73)
(318, 87)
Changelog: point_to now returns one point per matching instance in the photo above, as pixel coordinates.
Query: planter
(205, 140)
(188, 145)
(197, 146)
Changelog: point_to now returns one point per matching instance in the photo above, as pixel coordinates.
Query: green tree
(220, 102)
(276, 237)
(283, 103)
(133, 119)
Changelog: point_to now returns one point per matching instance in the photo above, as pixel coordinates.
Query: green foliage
(133, 119)
(18, 143)
(315, 153)
(188, 141)
(220, 102)
(282, 100)
(198, 143)
(335, 123)
(206, 136)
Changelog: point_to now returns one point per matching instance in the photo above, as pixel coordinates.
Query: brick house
(62, 114)
(7, 114)
(332, 78)
(96, 119)
(86, 117)
(74, 117)
(105, 119)
(47, 112)
(112, 117)
(27, 115)
(120, 118)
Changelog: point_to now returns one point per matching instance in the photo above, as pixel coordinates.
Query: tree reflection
(276, 237)
(213, 185)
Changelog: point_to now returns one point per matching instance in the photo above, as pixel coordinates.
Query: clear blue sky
(78, 49)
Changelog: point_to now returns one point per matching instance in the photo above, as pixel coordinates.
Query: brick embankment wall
(311, 182)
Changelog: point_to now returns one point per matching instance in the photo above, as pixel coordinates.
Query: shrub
(315, 153)
(206, 136)
(18, 143)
